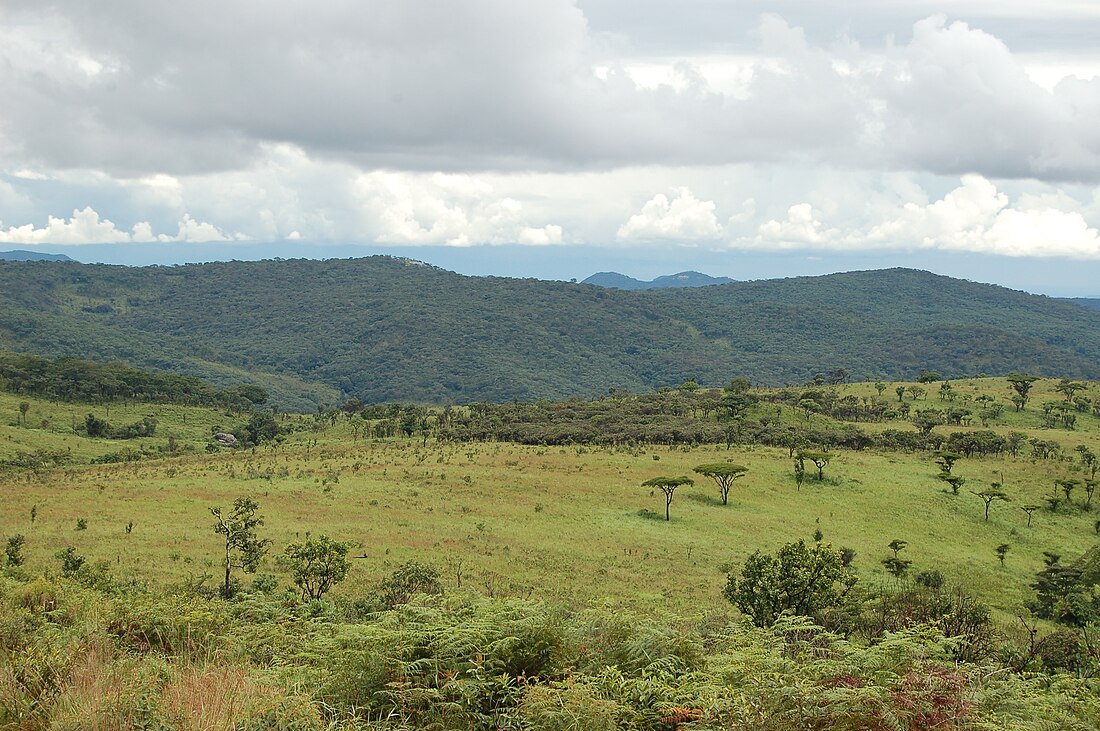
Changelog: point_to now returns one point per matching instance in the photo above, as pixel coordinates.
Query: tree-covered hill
(386, 329)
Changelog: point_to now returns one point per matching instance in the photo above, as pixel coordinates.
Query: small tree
(900, 391)
(799, 579)
(927, 419)
(1029, 509)
(1002, 551)
(1021, 385)
(408, 580)
(71, 561)
(723, 474)
(24, 407)
(820, 460)
(14, 550)
(316, 566)
(946, 460)
(1068, 486)
(668, 486)
(954, 481)
(989, 495)
(240, 531)
(799, 471)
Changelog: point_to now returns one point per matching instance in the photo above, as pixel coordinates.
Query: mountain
(614, 280)
(22, 255)
(386, 329)
(1091, 302)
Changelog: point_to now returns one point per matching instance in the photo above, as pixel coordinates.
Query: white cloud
(86, 227)
(458, 210)
(683, 218)
(975, 217)
(801, 229)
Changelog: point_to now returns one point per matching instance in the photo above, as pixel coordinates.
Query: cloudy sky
(673, 132)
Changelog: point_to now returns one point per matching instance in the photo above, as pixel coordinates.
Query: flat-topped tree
(1029, 509)
(1067, 486)
(989, 495)
(723, 473)
(668, 486)
(1069, 388)
(1021, 385)
(820, 460)
(954, 481)
(946, 460)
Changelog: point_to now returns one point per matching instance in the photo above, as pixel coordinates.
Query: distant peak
(614, 280)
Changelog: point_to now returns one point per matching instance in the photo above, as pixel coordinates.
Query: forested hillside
(385, 329)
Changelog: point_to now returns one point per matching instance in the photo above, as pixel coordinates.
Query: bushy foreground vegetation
(77, 657)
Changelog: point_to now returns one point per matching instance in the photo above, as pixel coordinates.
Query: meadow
(555, 522)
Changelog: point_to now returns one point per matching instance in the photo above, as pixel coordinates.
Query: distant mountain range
(614, 280)
(390, 329)
(21, 255)
(1091, 302)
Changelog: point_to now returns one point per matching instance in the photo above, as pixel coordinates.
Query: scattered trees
(668, 486)
(723, 474)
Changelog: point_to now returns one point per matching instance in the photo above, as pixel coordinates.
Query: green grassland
(562, 523)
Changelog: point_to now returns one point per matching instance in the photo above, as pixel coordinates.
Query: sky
(554, 138)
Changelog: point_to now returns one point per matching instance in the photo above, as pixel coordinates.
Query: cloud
(86, 227)
(141, 89)
(683, 218)
(974, 217)
(458, 210)
(801, 229)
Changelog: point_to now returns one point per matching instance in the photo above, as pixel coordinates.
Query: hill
(387, 329)
(1091, 302)
(21, 255)
(614, 280)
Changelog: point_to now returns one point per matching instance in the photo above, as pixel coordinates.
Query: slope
(382, 328)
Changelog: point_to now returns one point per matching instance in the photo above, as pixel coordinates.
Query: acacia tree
(820, 460)
(1021, 385)
(1029, 509)
(723, 473)
(946, 460)
(239, 528)
(316, 566)
(668, 486)
(989, 495)
(1069, 388)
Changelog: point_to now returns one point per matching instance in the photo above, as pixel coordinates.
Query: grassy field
(564, 523)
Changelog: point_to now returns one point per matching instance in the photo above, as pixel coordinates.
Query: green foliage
(407, 581)
(802, 580)
(240, 530)
(316, 565)
(71, 561)
(465, 339)
(668, 486)
(723, 474)
(13, 550)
